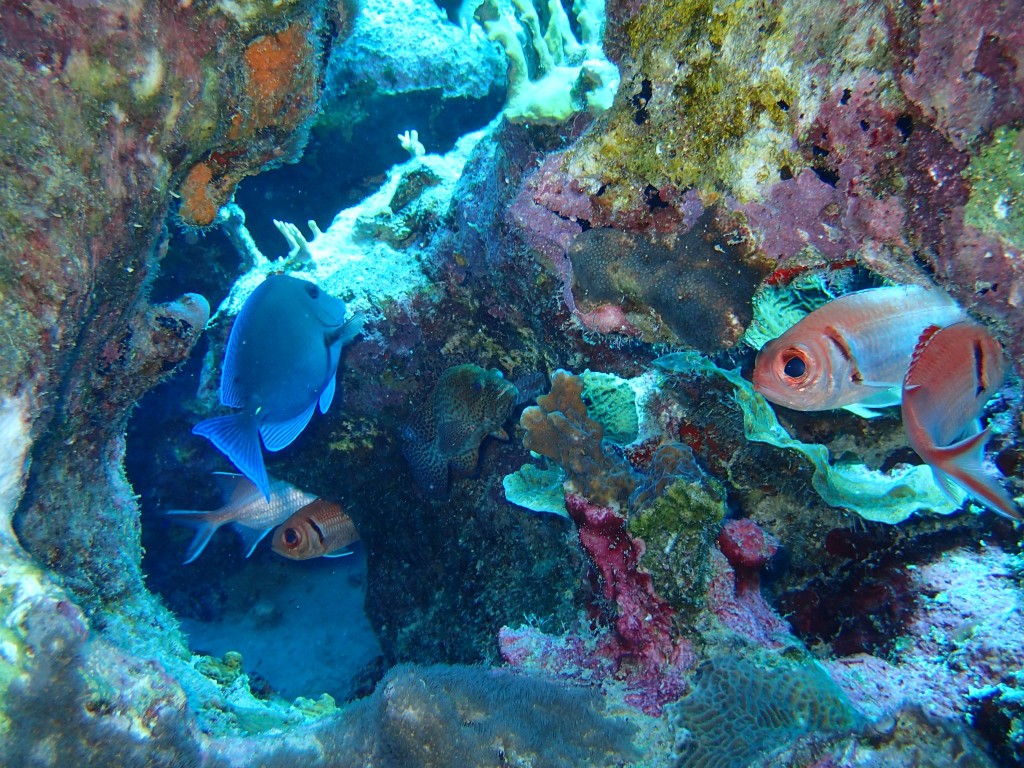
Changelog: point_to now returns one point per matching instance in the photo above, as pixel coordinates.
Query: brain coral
(740, 709)
(697, 284)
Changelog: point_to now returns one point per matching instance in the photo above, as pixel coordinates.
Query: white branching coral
(552, 74)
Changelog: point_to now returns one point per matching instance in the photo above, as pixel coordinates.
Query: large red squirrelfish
(954, 372)
(855, 349)
(319, 529)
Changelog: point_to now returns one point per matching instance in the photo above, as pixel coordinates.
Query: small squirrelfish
(954, 372)
(281, 360)
(246, 509)
(319, 529)
(855, 349)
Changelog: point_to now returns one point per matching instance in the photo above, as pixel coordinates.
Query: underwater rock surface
(699, 541)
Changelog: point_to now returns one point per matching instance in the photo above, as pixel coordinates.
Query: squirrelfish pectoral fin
(250, 537)
(237, 437)
(278, 435)
(962, 462)
(339, 553)
(205, 527)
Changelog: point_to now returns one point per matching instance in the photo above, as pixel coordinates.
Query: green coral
(611, 401)
(679, 530)
(996, 204)
(778, 308)
(883, 497)
(223, 671)
(537, 489)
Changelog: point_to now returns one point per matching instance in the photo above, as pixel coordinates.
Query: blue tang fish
(281, 360)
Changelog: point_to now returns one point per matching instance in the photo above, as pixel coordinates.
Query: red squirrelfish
(246, 509)
(855, 349)
(954, 372)
(319, 529)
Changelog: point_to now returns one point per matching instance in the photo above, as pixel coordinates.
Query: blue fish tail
(237, 437)
(205, 528)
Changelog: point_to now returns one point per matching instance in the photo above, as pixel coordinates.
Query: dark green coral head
(480, 395)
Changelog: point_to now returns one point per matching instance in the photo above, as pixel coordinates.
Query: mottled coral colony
(582, 534)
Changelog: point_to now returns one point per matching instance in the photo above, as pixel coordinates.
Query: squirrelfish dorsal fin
(922, 342)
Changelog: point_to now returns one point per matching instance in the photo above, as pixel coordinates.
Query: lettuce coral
(878, 496)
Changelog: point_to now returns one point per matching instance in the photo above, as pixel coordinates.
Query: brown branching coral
(559, 428)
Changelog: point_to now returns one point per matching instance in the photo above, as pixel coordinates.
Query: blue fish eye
(313, 291)
(795, 368)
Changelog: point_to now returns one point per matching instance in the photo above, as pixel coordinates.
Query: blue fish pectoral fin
(237, 437)
(205, 528)
(328, 394)
(250, 537)
(962, 463)
(344, 333)
(280, 434)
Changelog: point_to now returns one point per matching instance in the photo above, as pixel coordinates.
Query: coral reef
(758, 157)
(681, 525)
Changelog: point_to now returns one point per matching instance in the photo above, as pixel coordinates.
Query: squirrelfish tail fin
(237, 437)
(205, 523)
(962, 462)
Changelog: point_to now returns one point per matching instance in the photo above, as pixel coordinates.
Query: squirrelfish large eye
(291, 537)
(795, 367)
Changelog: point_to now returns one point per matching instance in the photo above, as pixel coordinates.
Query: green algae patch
(882, 497)
(718, 78)
(679, 530)
(996, 204)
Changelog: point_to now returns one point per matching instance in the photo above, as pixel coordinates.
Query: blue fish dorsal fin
(327, 396)
(237, 437)
(251, 537)
(278, 435)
